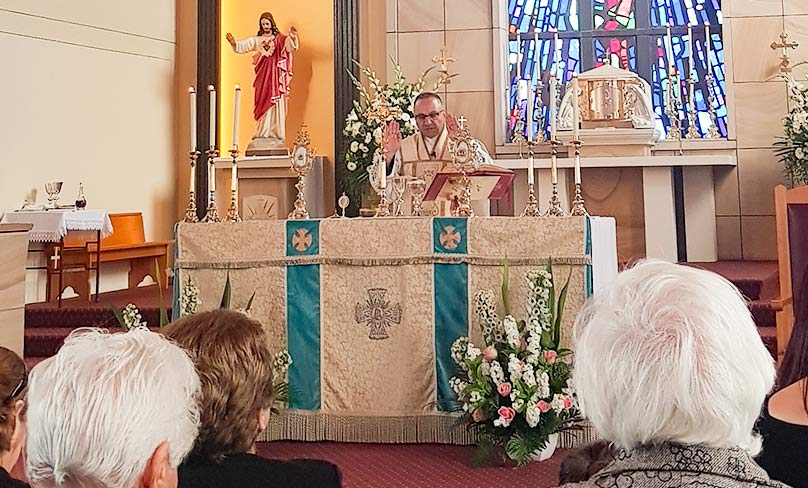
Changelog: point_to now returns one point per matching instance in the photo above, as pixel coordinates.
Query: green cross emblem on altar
(378, 314)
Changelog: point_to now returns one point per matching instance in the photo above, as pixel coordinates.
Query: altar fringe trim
(415, 260)
(295, 425)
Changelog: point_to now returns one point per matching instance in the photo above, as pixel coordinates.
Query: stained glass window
(626, 33)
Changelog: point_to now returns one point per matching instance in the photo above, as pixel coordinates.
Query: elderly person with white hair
(111, 410)
(670, 368)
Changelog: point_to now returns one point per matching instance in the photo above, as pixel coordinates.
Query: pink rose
(490, 353)
(543, 406)
(504, 389)
(550, 357)
(567, 403)
(506, 413)
(478, 415)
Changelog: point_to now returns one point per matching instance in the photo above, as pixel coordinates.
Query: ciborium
(302, 159)
(52, 189)
(417, 190)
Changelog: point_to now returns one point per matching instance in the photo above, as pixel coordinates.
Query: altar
(369, 308)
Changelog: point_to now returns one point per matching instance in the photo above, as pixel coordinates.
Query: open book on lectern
(488, 182)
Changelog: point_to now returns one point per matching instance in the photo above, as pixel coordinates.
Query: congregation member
(111, 411)
(234, 361)
(582, 463)
(671, 370)
(13, 389)
(784, 423)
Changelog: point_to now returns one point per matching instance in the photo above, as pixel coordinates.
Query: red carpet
(414, 465)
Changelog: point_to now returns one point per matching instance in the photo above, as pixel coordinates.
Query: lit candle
(576, 112)
(553, 168)
(192, 95)
(577, 168)
(212, 92)
(530, 170)
(553, 107)
(234, 176)
(236, 105)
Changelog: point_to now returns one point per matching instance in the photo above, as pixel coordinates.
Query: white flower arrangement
(189, 298)
(131, 318)
(793, 148)
(516, 392)
(363, 134)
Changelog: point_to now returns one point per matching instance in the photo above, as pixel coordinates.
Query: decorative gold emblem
(377, 313)
(301, 162)
(450, 238)
(301, 240)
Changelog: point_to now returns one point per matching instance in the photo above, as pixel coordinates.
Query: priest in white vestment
(427, 151)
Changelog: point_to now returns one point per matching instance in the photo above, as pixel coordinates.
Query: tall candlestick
(212, 175)
(577, 166)
(236, 106)
(557, 54)
(576, 115)
(518, 56)
(192, 95)
(530, 169)
(212, 92)
(234, 176)
(553, 107)
(192, 183)
(383, 171)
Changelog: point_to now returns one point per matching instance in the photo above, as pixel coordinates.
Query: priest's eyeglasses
(432, 116)
(20, 386)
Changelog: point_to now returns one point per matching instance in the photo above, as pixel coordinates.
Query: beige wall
(87, 96)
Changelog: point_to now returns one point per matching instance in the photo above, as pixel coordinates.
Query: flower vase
(548, 451)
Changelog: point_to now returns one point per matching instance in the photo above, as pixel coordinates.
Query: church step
(763, 313)
(36, 316)
(43, 342)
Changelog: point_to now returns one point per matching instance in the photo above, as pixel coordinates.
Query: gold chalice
(417, 189)
(52, 189)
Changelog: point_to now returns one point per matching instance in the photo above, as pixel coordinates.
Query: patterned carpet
(414, 465)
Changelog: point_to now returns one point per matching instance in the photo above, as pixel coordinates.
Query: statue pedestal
(267, 187)
(267, 146)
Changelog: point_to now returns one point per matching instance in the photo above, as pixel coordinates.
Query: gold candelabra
(190, 212)
(555, 209)
(673, 106)
(381, 114)
(578, 207)
(302, 158)
(532, 206)
(712, 131)
(212, 213)
(232, 210)
(692, 130)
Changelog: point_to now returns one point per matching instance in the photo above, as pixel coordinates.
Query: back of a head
(103, 404)
(13, 381)
(582, 463)
(670, 353)
(232, 356)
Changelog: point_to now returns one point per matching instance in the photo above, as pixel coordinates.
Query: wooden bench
(127, 243)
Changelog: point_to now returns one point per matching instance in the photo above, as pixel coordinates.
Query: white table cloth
(52, 225)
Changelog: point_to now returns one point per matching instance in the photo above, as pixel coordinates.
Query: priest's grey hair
(669, 353)
(102, 405)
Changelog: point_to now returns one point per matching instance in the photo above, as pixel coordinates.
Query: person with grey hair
(112, 411)
(670, 369)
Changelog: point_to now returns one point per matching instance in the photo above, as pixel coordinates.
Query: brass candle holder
(232, 210)
(302, 159)
(712, 132)
(673, 106)
(532, 206)
(555, 209)
(692, 130)
(463, 149)
(578, 207)
(212, 213)
(190, 211)
(381, 114)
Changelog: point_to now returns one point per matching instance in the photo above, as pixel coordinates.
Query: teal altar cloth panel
(369, 308)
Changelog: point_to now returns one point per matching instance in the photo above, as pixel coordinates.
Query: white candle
(383, 168)
(530, 170)
(669, 48)
(557, 53)
(707, 44)
(212, 92)
(689, 51)
(236, 106)
(553, 168)
(211, 176)
(576, 112)
(192, 184)
(577, 168)
(553, 107)
(234, 176)
(192, 95)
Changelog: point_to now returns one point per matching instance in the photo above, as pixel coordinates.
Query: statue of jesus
(272, 58)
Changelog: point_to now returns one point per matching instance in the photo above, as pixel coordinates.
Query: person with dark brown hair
(234, 362)
(784, 423)
(13, 390)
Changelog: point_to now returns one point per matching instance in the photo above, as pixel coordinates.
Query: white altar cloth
(52, 225)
